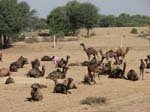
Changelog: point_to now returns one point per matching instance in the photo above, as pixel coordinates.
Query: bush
(93, 100)
(134, 31)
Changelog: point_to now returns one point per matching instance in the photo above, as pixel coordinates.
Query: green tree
(88, 16)
(58, 21)
(14, 17)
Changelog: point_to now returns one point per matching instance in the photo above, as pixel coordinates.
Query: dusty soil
(122, 95)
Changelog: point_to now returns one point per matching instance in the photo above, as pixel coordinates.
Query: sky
(114, 7)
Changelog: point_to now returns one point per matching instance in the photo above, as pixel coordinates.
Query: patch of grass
(93, 100)
(134, 31)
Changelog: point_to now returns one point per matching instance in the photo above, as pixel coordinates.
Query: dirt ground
(122, 95)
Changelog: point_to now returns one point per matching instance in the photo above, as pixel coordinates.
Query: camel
(38, 85)
(35, 63)
(142, 67)
(46, 58)
(107, 55)
(61, 88)
(36, 94)
(89, 51)
(36, 73)
(87, 80)
(9, 80)
(58, 74)
(132, 75)
(4, 72)
(147, 63)
(1, 56)
(92, 69)
(72, 83)
(122, 53)
(21, 61)
(63, 63)
(13, 67)
(118, 73)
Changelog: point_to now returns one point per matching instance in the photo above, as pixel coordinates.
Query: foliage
(71, 17)
(134, 31)
(123, 20)
(94, 100)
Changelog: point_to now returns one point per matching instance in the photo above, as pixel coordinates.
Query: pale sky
(106, 7)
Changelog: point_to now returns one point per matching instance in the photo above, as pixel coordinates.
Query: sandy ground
(122, 95)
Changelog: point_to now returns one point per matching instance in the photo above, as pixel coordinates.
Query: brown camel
(9, 80)
(121, 53)
(147, 63)
(63, 63)
(89, 51)
(4, 72)
(36, 73)
(72, 83)
(35, 63)
(107, 55)
(118, 73)
(132, 75)
(21, 61)
(36, 94)
(46, 58)
(61, 88)
(142, 67)
(58, 74)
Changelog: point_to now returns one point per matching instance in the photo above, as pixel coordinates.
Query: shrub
(93, 100)
(134, 31)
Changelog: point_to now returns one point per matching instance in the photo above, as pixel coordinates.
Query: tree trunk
(6, 42)
(88, 32)
(1, 42)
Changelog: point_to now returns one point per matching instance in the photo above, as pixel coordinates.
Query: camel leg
(89, 57)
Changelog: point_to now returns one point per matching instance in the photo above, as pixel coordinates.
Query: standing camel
(89, 51)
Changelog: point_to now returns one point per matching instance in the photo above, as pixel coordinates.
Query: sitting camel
(35, 63)
(132, 75)
(118, 73)
(4, 72)
(21, 61)
(58, 74)
(63, 63)
(61, 88)
(9, 80)
(46, 58)
(72, 83)
(36, 94)
(36, 73)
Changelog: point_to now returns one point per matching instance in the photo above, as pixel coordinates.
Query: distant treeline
(123, 20)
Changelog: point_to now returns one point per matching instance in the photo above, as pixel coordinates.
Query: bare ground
(122, 95)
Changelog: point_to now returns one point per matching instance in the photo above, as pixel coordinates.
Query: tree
(58, 21)
(73, 10)
(14, 17)
(88, 16)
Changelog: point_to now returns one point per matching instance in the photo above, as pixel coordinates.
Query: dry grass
(123, 95)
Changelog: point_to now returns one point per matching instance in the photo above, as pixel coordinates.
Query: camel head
(82, 44)
(68, 57)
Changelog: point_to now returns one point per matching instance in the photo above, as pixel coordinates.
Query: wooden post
(121, 41)
(54, 41)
